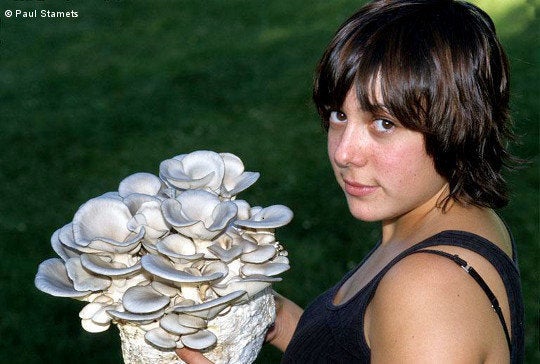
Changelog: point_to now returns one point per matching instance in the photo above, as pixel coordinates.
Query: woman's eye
(337, 117)
(383, 125)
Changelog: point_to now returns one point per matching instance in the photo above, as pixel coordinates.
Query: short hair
(441, 71)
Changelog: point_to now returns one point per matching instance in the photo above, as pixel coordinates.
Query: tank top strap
(481, 282)
(506, 268)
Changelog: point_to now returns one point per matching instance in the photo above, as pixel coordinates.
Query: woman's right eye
(337, 117)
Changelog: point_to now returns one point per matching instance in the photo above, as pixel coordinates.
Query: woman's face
(382, 167)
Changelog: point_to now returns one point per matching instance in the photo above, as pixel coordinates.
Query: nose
(347, 148)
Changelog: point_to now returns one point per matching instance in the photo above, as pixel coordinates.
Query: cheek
(406, 165)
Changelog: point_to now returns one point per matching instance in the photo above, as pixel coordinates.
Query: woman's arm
(427, 310)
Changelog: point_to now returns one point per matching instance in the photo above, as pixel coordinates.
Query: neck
(413, 223)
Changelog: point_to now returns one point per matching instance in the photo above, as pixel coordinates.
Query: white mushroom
(200, 169)
(269, 217)
(65, 252)
(103, 266)
(225, 255)
(149, 216)
(84, 280)
(235, 180)
(144, 299)
(174, 325)
(178, 248)
(140, 183)
(161, 338)
(165, 255)
(101, 223)
(198, 214)
(135, 317)
(95, 318)
(52, 278)
(200, 340)
(251, 285)
(210, 309)
(166, 289)
(262, 254)
(93, 327)
(160, 267)
(191, 321)
(267, 269)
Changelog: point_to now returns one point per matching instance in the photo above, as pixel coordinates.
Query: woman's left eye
(383, 125)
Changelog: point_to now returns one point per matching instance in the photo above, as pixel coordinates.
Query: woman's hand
(191, 356)
(287, 315)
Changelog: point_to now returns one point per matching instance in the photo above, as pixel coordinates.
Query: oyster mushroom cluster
(168, 253)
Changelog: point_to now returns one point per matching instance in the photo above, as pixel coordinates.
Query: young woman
(414, 96)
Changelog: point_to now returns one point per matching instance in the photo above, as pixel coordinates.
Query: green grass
(88, 101)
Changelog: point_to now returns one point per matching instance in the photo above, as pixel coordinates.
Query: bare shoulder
(427, 309)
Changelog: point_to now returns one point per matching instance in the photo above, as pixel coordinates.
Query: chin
(366, 216)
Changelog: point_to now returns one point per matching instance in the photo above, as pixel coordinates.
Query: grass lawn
(87, 101)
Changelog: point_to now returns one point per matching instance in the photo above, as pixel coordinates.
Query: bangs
(388, 61)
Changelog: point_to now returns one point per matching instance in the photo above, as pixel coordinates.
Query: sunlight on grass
(510, 16)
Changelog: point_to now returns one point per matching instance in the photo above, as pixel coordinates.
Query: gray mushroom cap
(144, 299)
(269, 217)
(135, 317)
(251, 285)
(161, 338)
(199, 169)
(198, 214)
(211, 309)
(178, 247)
(52, 278)
(140, 183)
(83, 280)
(101, 223)
(225, 255)
(200, 340)
(262, 254)
(182, 324)
(160, 267)
(100, 265)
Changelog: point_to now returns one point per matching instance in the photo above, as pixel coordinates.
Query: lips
(358, 189)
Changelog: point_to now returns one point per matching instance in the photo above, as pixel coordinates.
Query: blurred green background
(87, 101)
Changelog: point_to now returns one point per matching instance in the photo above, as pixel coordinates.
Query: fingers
(191, 356)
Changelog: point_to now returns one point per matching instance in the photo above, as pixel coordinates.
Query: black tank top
(328, 333)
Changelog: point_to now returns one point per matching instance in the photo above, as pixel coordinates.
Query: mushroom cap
(178, 247)
(251, 285)
(235, 180)
(267, 269)
(144, 299)
(200, 340)
(52, 278)
(198, 214)
(210, 309)
(84, 280)
(225, 255)
(103, 266)
(161, 267)
(180, 324)
(199, 169)
(101, 223)
(269, 217)
(161, 338)
(135, 317)
(140, 183)
(262, 254)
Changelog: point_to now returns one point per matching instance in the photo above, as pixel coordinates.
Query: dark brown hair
(442, 72)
